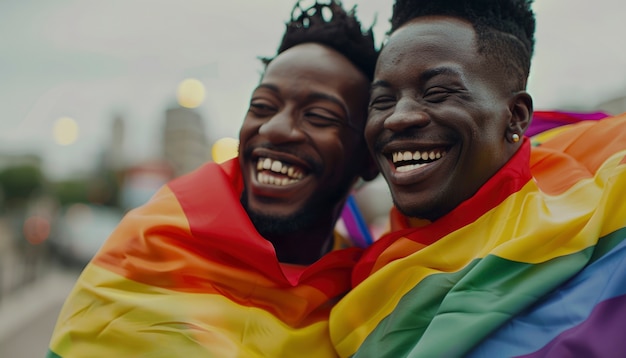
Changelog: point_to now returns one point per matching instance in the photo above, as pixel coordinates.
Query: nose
(282, 127)
(407, 113)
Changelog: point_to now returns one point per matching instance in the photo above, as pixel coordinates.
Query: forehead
(422, 37)
(312, 61)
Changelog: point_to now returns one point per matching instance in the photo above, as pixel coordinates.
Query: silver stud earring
(515, 137)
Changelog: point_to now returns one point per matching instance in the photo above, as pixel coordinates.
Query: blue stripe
(563, 309)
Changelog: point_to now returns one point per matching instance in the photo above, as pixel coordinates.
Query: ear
(521, 107)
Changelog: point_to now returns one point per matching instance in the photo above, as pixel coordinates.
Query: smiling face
(301, 144)
(439, 116)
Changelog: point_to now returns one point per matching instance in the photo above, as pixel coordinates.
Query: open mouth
(274, 172)
(405, 161)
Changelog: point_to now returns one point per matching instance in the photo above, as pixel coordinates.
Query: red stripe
(238, 239)
(508, 180)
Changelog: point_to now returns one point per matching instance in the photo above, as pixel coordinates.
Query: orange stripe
(149, 247)
(554, 171)
(576, 153)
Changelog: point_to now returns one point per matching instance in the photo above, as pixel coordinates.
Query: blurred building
(185, 144)
(114, 157)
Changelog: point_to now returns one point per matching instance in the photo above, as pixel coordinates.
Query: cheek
(248, 129)
(339, 149)
(371, 132)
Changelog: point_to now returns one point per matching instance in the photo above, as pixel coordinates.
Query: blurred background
(101, 102)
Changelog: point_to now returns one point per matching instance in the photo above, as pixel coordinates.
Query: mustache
(413, 135)
(315, 165)
(383, 140)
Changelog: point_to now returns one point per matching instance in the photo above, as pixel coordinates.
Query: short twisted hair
(505, 29)
(332, 26)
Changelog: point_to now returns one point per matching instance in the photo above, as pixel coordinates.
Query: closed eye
(382, 103)
(261, 109)
(321, 120)
(440, 94)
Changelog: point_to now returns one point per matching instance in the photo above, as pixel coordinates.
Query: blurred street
(28, 314)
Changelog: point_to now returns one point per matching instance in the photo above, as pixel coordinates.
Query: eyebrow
(379, 84)
(314, 96)
(425, 76)
(439, 71)
(268, 86)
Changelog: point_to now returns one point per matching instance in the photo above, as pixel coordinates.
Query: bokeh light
(190, 93)
(224, 149)
(65, 131)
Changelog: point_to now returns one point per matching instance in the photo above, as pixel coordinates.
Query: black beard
(271, 225)
(304, 218)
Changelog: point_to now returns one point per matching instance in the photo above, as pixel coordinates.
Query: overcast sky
(93, 59)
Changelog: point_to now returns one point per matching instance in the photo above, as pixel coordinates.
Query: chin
(272, 224)
(408, 208)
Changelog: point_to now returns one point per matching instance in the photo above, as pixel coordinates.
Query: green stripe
(51, 354)
(447, 314)
(607, 243)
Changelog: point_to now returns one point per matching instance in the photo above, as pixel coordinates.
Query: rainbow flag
(533, 265)
(546, 120)
(187, 275)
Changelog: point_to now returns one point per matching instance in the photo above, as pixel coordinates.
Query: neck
(309, 243)
(305, 246)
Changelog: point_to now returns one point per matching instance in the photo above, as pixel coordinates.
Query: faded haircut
(505, 29)
(329, 24)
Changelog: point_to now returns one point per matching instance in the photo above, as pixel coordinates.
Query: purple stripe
(603, 334)
(564, 309)
(587, 116)
(348, 215)
(543, 121)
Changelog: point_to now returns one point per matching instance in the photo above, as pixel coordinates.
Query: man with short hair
(240, 259)
(495, 250)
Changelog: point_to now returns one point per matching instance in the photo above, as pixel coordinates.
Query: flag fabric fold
(534, 264)
(188, 275)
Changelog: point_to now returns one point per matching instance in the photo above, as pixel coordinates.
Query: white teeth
(417, 155)
(269, 179)
(293, 174)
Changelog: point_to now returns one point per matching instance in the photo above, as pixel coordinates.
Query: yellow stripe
(528, 227)
(108, 315)
(549, 134)
(553, 226)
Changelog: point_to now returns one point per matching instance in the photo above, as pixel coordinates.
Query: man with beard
(495, 250)
(240, 259)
